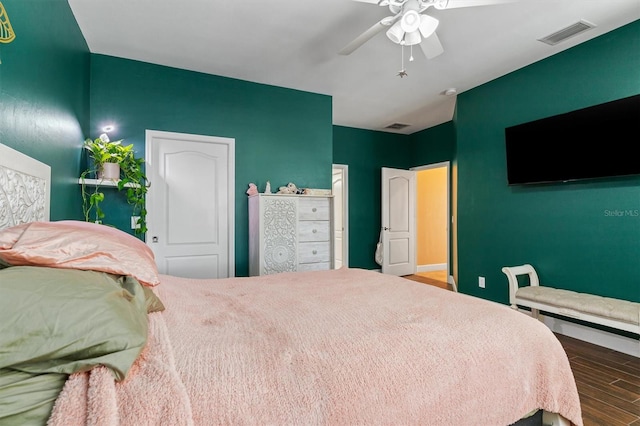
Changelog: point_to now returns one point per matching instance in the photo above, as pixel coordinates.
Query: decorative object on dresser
(253, 189)
(290, 188)
(290, 233)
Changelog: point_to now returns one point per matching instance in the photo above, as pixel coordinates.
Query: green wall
(281, 135)
(44, 94)
(366, 152)
(434, 145)
(561, 229)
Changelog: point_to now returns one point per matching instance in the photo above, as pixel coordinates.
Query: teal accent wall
(366, 152)
(281, 135)
(434, 145)
(562, 229)
(44, 94)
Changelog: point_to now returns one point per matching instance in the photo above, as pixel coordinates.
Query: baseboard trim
(432, 267)
(598, 337)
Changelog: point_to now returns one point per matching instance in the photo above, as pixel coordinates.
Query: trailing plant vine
(133, 180)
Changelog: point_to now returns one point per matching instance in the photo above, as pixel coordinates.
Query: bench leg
(554, 419)
(535, 313)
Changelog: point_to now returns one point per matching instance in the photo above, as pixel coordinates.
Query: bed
(98, 337)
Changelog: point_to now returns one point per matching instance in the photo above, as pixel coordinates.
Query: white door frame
(345, 211)
(447, 165)
(231, 173)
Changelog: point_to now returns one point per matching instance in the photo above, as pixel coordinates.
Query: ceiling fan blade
(453, 4)
(431, 46)
(367, 35)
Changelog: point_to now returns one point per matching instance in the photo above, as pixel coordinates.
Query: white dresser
(290, 233)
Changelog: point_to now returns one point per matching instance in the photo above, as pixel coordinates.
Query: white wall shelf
(105, 182)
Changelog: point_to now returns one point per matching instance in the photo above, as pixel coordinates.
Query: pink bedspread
(337, 347)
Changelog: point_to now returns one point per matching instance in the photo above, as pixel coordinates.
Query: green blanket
(55, 322)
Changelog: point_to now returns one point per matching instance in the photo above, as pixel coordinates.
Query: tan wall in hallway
(431, 187)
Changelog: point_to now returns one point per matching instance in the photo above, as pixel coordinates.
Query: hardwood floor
(437, 278)
(608, 381)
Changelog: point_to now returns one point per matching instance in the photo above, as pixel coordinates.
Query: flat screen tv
(595, 142)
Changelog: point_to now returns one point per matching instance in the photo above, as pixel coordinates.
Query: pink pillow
(71, 244)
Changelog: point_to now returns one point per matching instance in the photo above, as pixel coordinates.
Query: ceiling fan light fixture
(396, 33)
(413, 38)
(428, 25)
(410, 21)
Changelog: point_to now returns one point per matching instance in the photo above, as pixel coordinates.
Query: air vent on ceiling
(568, 32)
(397, 126)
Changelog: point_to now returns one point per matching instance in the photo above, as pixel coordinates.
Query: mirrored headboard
(25, 188)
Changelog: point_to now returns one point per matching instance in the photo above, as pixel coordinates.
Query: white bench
(615, 313)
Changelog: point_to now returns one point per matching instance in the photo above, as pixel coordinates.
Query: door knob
(154, 239)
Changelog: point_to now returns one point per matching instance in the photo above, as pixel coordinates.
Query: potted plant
(130, 177)
(107, 156)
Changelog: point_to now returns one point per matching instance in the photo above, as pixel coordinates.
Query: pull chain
(402, 73)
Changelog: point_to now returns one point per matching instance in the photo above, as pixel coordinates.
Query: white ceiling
(295, 44)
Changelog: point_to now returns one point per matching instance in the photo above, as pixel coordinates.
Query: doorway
(340, 192)
(435, 202)
(433, 213)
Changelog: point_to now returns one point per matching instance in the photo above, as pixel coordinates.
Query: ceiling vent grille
(566, 33)
(397, 126)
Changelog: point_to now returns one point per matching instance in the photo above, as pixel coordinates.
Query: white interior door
(398, 221)
(339, 189)
(190, 204)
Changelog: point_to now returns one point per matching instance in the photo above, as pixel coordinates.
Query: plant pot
(109, 171)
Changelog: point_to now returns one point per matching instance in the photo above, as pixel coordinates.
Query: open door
(340, 189)
(398, 221)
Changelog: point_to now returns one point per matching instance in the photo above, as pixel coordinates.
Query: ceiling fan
(408, 25)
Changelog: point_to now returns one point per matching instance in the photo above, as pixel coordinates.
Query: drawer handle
(314, 209)
(315, 252)
(314, 231)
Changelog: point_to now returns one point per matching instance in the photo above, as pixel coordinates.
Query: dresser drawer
(314, 208)
(313, 230)
(314, 252)
(321, 266)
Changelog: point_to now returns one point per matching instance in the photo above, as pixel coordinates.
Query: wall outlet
(134, 222)
(481, 282)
